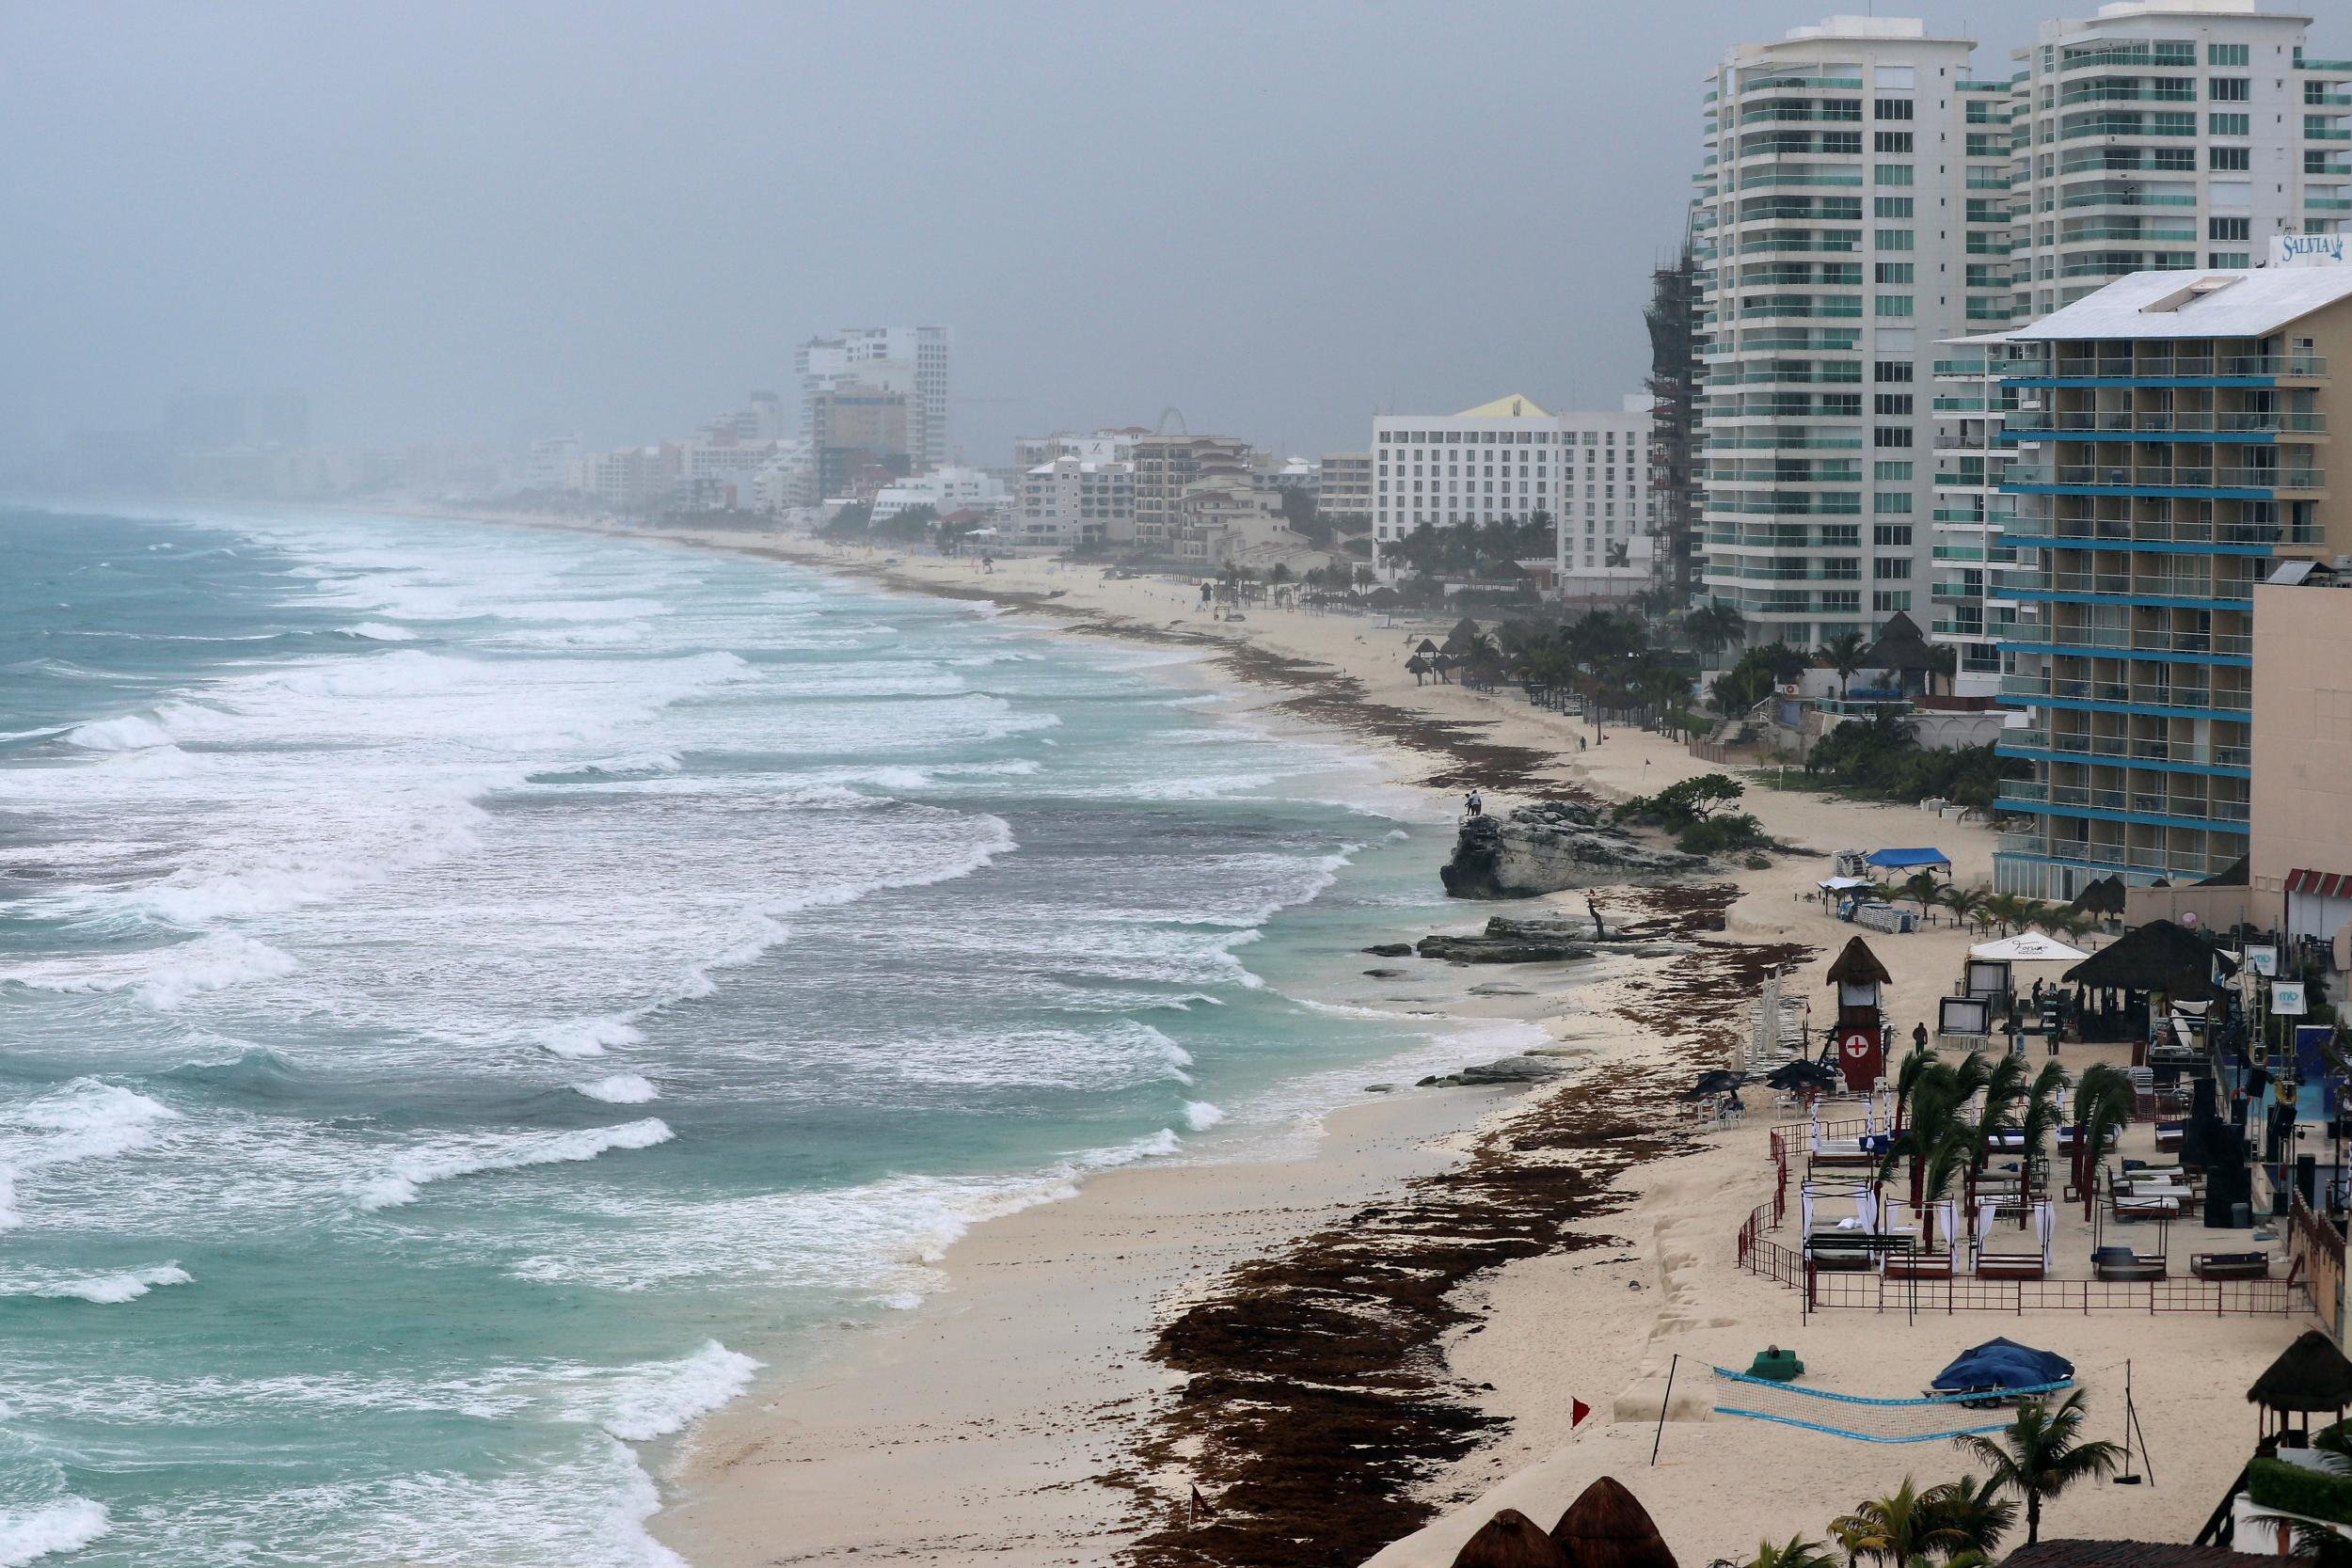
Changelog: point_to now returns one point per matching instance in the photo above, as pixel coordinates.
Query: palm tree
(2006, 908)
(1844, 654)
(2103, 1103)
(1715, 627)
(1976, 1511)
(2040, 1118)
(1923, 887)
(1897, 1527)
(1796, 1552)
(2042, 1453)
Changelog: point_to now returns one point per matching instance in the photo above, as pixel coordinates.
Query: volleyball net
(1927, 1419)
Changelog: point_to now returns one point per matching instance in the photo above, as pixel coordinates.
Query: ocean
(474, 998)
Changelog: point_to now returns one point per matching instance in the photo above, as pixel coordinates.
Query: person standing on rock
(1475, 803)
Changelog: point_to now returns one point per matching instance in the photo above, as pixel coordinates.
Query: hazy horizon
(444, 222)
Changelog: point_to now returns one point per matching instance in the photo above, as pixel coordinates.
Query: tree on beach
(2103, 1103)
(1714, 626)
(1922, 888)
(1899, 1528)
(1976, 1511)
(1797, 1552)
(1844, 654)
(2043, 1453)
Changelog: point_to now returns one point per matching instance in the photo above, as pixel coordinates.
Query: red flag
(1578, 1410)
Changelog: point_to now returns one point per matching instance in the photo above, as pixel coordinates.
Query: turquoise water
(470, 997)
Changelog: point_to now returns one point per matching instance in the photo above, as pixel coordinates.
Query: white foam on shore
(411, 1173)
(66, 1524)
(661, 1397)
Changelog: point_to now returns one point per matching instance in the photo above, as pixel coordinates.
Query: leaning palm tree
(2038, 1121)
(1796, 1552)
(1895, 1528)
(2042, 1453)
(1974, 1511)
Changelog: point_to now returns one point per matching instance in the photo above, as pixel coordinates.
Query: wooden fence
(2317, 1250)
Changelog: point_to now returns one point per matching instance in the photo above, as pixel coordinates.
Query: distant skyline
(444, 221)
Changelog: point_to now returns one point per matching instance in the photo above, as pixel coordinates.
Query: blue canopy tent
(2003, 1364)
(1905, 860)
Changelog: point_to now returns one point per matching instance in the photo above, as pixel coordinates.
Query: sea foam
(622, 1089)
(105, 1289)
(412, 1173)
(66, 1524)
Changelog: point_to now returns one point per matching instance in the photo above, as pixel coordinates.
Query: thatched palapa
(2310, 1374)
(1858, 966)
(1608, 1528)
(2157, 956)
(1511, 1539)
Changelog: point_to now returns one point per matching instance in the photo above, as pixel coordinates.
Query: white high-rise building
(945, 489)
(1512, 458)
(2159, 134)
(1076, 500)
(2168, 134)
(909, 358)
(1834, 228)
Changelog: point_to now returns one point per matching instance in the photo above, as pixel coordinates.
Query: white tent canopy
(2027, 947)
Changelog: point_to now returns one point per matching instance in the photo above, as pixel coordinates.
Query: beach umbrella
(1426, 647)
(1606, 1527)
(1798, 1075)
(1510, 1539)
(1718, 1082)
(2003, 1364)
(1381, 598)
(2310, 1376)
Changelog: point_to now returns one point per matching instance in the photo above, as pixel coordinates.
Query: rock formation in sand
(1550, 845)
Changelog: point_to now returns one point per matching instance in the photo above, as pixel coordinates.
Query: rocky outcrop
(1510, 941)
(1509, 1070)
(1551, 846)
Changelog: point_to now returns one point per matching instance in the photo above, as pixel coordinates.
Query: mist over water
(470, 997)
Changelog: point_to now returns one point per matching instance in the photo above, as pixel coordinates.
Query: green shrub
(1717, 835)
(2292, 1489)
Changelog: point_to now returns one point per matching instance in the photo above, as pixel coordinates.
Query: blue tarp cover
(2004, 1364)
(1908, 857)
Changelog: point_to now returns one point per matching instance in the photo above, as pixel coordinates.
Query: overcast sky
(502, 219)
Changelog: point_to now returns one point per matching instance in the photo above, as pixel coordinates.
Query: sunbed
(2230, 1265)
(2121, 1262)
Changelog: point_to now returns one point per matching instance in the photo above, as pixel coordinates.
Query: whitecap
(66, 1524)
(1200, 1116)
(376, 631)
(414, 1171)
(131, 733)
(103, 1288)
(587, 1036)
(622, 1089)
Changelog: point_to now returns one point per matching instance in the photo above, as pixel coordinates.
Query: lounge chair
(1919, 1266)
(2009, 1266)
(2230, 1265)
(2128, 1206)
(2121, 1262)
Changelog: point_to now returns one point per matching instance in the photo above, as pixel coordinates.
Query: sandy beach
(1093, 1361)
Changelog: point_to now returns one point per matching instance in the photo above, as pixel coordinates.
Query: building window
(1890, 533)
(1891, 435)
(1889, 472)
(1895, 503)
(1892, 174)
(2228, 53)
(1891, 141)
(2231, 158)
(1891, 404)
(1891, 568)
(1894, 108)
(2229, 229)
(2231, 125)
(2230, 259)
(2229, 89)
(1894, 239)
(1886, 601)
(1899, 206)
(1893, 272)
(1892, 305)
(1896, 370)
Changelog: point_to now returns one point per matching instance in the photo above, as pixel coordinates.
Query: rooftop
(1515, 407)
(2219, 303)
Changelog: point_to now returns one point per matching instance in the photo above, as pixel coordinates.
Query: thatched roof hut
(2157, 956)
(1901, 647)
(1858, 966)
(1511, 1539)
(2103, 897)
(2309, 1375)
(1607, 1528)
